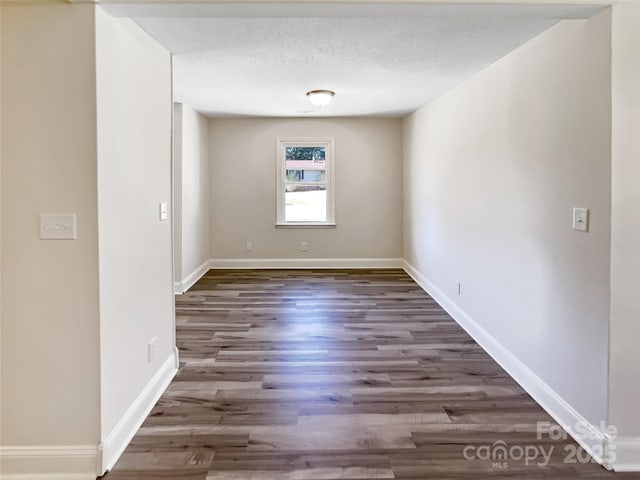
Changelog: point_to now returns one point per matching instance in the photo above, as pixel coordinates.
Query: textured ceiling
(378, 65)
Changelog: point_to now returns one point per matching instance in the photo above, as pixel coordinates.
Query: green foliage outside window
(305, 153)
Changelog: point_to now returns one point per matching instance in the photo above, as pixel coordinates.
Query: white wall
(50, 354)
(134, 176)
(368, 168)
(191, 193)
(492, 171)
(624, 388)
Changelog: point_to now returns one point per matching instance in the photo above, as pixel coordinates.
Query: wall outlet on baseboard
(459, 288)
(249, 247)
(304, 246)
(151, 350)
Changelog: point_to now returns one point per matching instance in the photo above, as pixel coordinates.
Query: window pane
(317, 154)
(305, 203)
(306, 175)
(305, 164)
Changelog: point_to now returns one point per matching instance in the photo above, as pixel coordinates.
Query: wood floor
(357, 374)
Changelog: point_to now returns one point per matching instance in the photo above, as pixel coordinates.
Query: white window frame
(329, 144)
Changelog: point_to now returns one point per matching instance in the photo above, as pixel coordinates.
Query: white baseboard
(114, 444)
(77, 462)
(627, 454)
(176, 355)
(192, 278)
(299, 263)
(49, 476)
(563, 413)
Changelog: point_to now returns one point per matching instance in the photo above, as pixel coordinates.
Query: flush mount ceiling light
(320, 97)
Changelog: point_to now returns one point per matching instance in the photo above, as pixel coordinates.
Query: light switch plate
(164, 211)
(58, 226)
(581, 219)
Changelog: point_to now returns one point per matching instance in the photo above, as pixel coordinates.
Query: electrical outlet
(151, 350)
(304, 246)
(249, 247)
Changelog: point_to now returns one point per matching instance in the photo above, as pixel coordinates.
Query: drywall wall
(50, 383)
(191, 191)
(624, 387)
(492, 171)
(368, 168)
(134, 110)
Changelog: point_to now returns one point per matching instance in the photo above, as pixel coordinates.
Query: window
(305, 182)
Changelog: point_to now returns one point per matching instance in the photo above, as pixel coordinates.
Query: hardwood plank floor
(335, 374)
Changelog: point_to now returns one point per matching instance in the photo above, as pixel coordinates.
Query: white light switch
(58, 226)
(581, 219)
(164, 211)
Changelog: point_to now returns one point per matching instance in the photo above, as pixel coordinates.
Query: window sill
(305, 225)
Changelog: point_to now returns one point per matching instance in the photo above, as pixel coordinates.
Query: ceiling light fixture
(320, 97)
